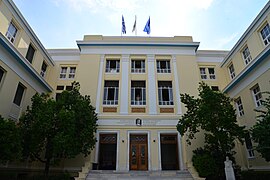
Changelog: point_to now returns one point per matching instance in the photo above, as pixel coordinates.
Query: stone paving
(138, 175)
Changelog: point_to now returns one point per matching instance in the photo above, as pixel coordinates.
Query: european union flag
(123, 25)
(147, 27)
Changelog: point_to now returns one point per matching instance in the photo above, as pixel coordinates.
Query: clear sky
(216, 24)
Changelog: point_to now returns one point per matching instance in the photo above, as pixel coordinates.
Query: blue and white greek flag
(123, 25)
(147, 27)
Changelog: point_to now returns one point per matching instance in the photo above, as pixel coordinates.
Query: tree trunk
(47, 167)
(48, 157)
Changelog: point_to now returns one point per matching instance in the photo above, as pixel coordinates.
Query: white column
(177, 91)
(180, 152)
(100, 73)
(124, 84)
(152, 90)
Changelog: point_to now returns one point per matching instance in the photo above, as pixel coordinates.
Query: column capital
(173, 58)
(125, 57)
(150, 57)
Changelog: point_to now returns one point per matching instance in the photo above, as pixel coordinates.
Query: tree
(54, 130)
(261, 130)
(213, 113)
(10, 144)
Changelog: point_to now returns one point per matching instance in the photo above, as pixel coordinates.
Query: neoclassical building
(135, 85)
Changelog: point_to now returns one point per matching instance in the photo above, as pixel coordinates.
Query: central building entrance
(138, 152)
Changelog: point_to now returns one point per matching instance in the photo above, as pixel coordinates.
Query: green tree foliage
(54, 130)
(212, 113)
(261, 130)
(10, 144)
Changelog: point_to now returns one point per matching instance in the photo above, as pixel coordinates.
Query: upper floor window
(249, 146)
(257, 95)
(163, 66)
(110, 96)
(138, 94)
(210, 74)
(11, 32)
(246, 55)
(215, 88)
(265, 33)
(112, 66)
(30, 53)
(239, 106)
(138, 66)
(165, 93)
(19, 94)
(67, 72)
(2, 72)
(231, 71)
(43, 69)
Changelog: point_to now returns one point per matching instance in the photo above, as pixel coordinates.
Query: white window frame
(42, 72)
(137, 70)
(257, 95)
(240, 108)
(203, 73)
(105, 95)
(141, 100)
(167, 64)
(108, 68)
(11, 36)
(246, 55)
(250, 151)
(68, 74)
(170, 92)
(265, 34)
(231, 71)
(212, 76)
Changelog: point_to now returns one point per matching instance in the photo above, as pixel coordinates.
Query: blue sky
(216, 24)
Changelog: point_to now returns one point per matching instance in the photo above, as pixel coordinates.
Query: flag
(123, 25)
(134, 26)
(147, 27)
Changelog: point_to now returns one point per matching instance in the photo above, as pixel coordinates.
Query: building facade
(135, 85)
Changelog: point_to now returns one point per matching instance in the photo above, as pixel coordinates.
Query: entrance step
(136, 175)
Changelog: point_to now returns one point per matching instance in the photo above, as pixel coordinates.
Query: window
(239, 106)
(138, 94)
(265, 33)
(30, 53)
(57, 96)
(2, 72)
(163, 66)
(43, 69)
(212, 73)
(138, 66)
(249, 146)
(110, 93)
(60, 88)
(215, 88)
(165, 93)
(231, 71)
(246, 55)
(257, 95)
(11, 32)
(68, 88)
(19, 94)
(112, 66)
(203, 73)
(67, 72)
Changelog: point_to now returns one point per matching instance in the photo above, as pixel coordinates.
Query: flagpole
(136, 25)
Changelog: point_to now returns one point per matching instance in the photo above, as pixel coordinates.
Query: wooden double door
(138, 152)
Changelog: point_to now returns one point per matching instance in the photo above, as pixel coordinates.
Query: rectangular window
(60, 88)
(19, 94)
(72, 71)
(67, 72)
(257, 95)
(111, 93)
(30, 53)
(165, 93)
(43, 69)
(112, 66)
(231, 71)
(57, 96)
(211, 72)
(246, 55)
(138, 66)
(265, 33)
(203, 73)
(249, 146)
(11, 32)
(2, 72)
(239, 106)
(215, 88)
(68, 88)
(138, 93)
(163, 66)
(63, 72)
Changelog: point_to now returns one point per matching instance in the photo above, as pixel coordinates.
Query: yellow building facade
(135, 85)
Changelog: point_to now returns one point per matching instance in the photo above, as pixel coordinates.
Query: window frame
(68, 73)
(250, 150)
(255, 95)
(212, 76)
(266, 39)
(109, 69)
(231, 73)
(12, 37)
(135, 70)
(106, 101)
(17, 101)
(167, 68)
(133, 98)
(246, 55)
(42, 72)
(27, 56)
(169, 89)
(239, 107)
